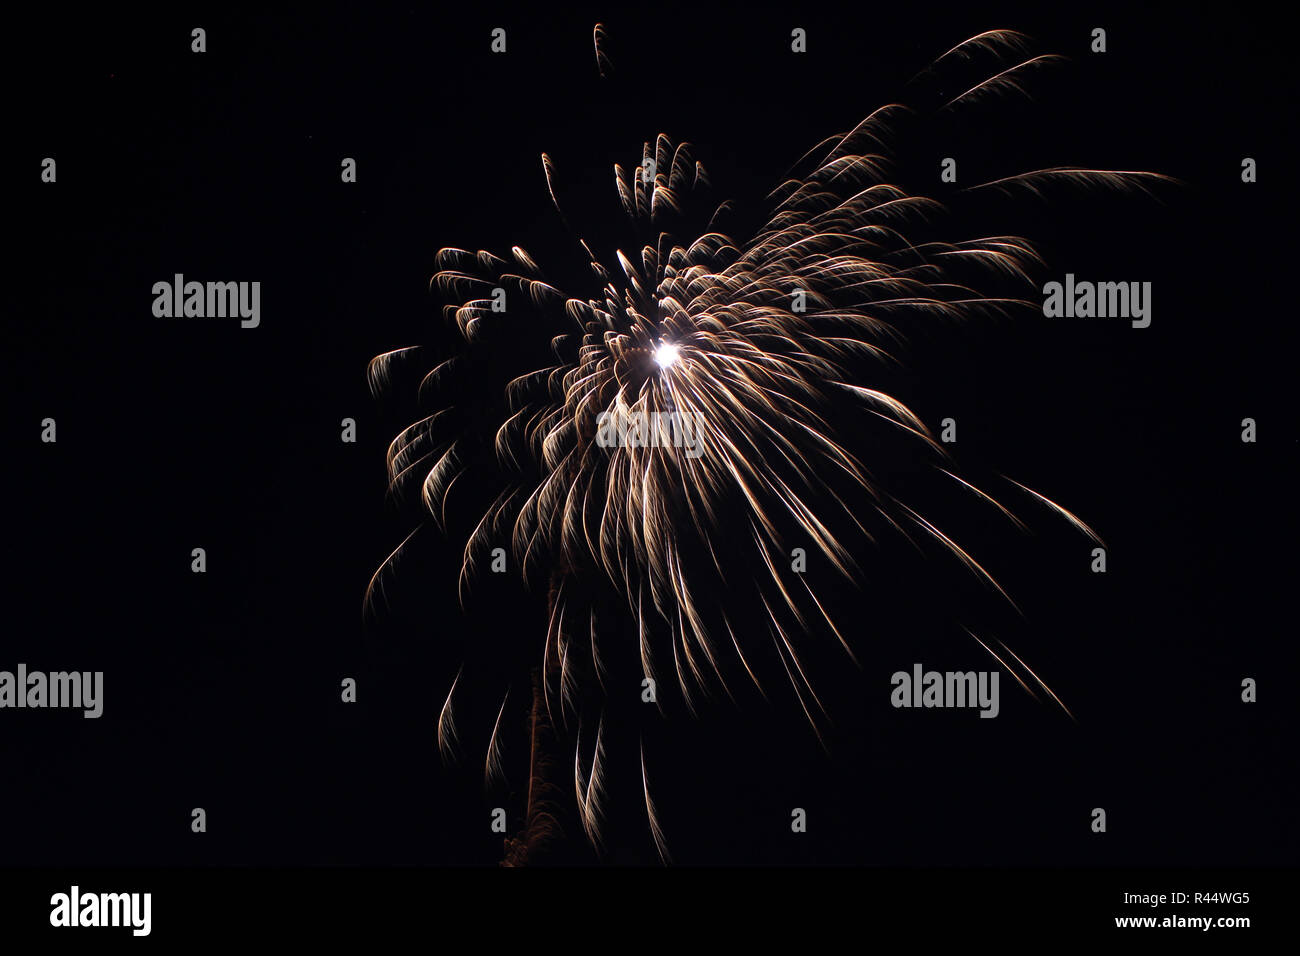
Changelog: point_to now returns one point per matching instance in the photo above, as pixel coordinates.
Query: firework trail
(764, 346)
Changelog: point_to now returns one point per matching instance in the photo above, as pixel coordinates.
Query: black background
(222, 689)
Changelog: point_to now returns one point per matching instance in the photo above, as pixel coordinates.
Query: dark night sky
(222, 689)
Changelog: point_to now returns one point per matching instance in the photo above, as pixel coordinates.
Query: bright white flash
(666, 355)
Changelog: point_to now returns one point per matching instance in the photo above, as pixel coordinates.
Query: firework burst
(763, 346)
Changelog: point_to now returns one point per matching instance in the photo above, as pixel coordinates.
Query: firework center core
(665, 354)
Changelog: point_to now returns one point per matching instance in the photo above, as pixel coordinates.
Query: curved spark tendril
(752, 341)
